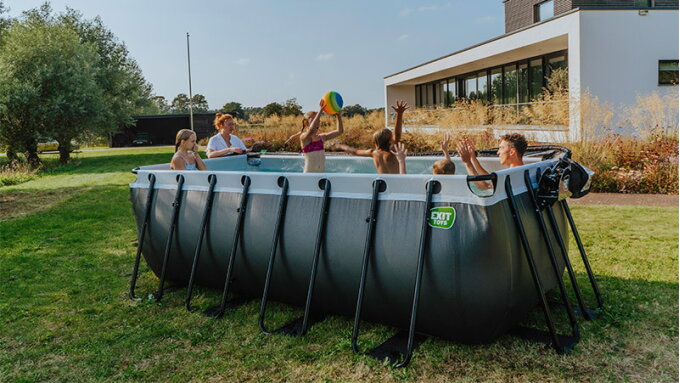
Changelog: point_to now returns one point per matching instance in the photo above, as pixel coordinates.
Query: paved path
(656, 200)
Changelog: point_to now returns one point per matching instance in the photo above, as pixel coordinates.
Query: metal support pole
(551, 254)
(424, 235)
(272, 256)
(142, 236)
(238, 229)
(317, 251)
(368, 249)
(584, 257)
(199, 245)
(532, 265)
(191, 106)
(173, 225)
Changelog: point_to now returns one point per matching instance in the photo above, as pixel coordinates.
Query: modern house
(614, 50)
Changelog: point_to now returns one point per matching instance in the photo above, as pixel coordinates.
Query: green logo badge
(442, 217)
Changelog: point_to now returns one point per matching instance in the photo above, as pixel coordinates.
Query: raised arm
(306, 137)
(473, 158)
(445, 146)
(338, 131)
(398, 124)
(354, 151)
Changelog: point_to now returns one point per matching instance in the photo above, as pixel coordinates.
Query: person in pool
(445, 166)
(386, 144)
(312, 142)
(510, 152)
(186, 152)
(224, 143)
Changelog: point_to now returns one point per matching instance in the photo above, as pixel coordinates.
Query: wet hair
(444, 167)
(517, 141)
(220, 118)
(383, 139)
(182, 135)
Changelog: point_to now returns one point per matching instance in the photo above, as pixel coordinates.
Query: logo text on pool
(442, 217)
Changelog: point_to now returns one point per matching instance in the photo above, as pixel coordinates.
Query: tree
(48, 86)
(291, 108)
(352, 110)
(234, 108)
(161, 104)
(271, 109)
(180, 104)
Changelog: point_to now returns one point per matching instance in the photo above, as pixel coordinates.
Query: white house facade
(612, 52)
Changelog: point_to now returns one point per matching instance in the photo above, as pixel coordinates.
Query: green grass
(65, 264)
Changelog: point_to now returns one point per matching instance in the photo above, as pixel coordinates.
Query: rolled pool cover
(476, 282)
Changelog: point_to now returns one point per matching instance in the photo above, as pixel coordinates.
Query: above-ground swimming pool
(349, 241)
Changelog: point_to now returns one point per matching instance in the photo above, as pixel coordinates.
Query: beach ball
(333, 102)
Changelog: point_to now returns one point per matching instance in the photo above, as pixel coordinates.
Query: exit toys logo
(442, 217)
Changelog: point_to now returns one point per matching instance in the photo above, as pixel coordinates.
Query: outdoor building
(162, 129)
(613, 50)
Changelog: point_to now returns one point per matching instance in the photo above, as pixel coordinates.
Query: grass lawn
(67, 245)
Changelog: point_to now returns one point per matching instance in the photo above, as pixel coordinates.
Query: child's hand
(399, 151)
(445, 143)
(463, 151)
(401, 107)
(322, 105)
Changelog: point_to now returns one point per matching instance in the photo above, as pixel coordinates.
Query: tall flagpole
(191, 106)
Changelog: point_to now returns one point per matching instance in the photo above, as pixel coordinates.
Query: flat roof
(524, 29)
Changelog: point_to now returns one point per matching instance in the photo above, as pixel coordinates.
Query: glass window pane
(523, 83)
(482, 89)
(496, 86)
(419, 102)
(453, 94)
(471, 87)
(557, 62)
(544, 11)
(668, 72)
(429, 101)
(536, 78)
(509, 84)
(442, 91)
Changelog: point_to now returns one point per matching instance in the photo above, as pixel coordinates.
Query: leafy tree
(352, 110)
(234, 108)
(251, 110)
(48, 86)
(291, 108)
(161, 104)
(199, 103)
(271, 109)
(180, 104)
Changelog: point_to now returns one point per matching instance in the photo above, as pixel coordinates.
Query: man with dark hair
(510, 152)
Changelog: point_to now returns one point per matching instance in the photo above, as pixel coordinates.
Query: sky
(261, 51)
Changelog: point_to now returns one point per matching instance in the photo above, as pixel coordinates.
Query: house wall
(520, 13)
(620, 53)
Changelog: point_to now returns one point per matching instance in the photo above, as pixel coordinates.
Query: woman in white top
(224, 143)
(186, 152)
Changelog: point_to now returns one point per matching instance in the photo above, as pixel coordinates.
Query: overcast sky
(255, 52)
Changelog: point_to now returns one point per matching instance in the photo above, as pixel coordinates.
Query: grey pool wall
(476, 281)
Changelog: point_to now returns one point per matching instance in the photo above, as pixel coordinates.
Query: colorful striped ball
(333, 102)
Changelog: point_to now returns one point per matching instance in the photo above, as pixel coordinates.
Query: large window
(544, 11)
(514, 83)
(471, 87)
(496, 85)
(668, 72)
(510, 84)
(482, 89)
(452, 91)
(523, 82)
(535, 78)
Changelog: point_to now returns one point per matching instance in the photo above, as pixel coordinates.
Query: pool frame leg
(218, 311)
(272, 256)
(300, 326)
(142, 236)
(177, 203)
(532, 266)
(204, 223)
(368, 249)
(553, 260)
(584, 257)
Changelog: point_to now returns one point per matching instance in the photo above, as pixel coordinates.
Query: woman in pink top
(312, 142)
